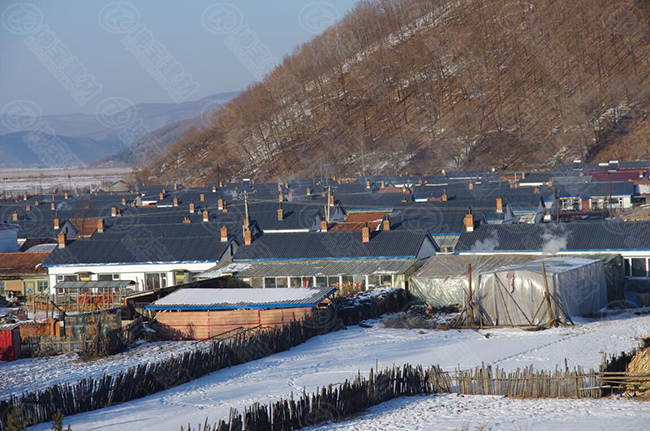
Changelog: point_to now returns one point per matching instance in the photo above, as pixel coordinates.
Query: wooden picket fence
(146, 379)
(334, 403)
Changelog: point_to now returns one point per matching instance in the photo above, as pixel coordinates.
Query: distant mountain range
(92, 141)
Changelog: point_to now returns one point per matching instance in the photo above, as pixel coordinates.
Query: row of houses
(354, 234)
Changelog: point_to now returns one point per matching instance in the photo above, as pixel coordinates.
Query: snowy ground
(38, 373)
(472, 413)
(340, 355)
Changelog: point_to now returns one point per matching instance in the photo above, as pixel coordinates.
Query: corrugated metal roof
(234, 299)
(312, 268)
(93, 284)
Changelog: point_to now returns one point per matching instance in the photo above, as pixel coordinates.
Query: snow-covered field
(473, 413)
(38, 373)
(340, 355)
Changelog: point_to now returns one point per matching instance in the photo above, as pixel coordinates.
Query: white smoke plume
(554, 242)
(488, 244)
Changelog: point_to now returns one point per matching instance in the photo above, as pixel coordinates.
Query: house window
(156, 280)
(294, 282)
(269, 282)
(333, 281)
(84, 276)
(108, 277)
(321, 281)
(180, 277)
(281, 282)
(639, 267)
(43, 286)
(72, 277)
(2, 287)
(29, 287)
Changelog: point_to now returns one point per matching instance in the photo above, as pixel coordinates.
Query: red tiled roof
(23, 263)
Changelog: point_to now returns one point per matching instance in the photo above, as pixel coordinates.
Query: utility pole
(246, 224)
(327, 206)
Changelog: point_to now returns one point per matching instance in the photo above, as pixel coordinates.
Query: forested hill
(415, 86)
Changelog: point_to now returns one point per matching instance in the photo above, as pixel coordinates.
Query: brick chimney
(202, 197)
(113, 211)
(499, 205)
(119, 212)
(28, 207)
(57, 222)
(444, 195)
(365, 234)
(14, 216)
(280, 214)
(383, 184)
(224, 209)
(550, 183)
(536, 190)
(214, 188)
(36, 202)
(123, 202)
(308, 191)
(280, 197)
(248, 237)
(220, 204)
(66, 195)
(331, 200)
(25, 196)
(206, 216)
(323, 226)
(386, 223)
(53, 206)
(100, 225)
(175, 186)
(471, 185)
(192, 207)
(161, 196)
(224, 234)
(367, 184)
(187, 220)
(175, 201)
(62, 239)
(469, 221)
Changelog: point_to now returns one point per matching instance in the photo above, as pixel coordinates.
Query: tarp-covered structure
(444, 279)
(517, 295)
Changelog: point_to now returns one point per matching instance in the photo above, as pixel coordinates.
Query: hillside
(16, 150)
(165, 122)
(416, 86)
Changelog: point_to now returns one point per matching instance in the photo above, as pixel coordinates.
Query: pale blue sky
(177, 25)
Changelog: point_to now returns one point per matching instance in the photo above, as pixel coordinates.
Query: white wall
(128, 272)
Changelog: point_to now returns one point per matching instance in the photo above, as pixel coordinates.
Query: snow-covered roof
(233, 299)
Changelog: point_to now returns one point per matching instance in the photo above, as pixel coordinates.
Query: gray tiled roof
(332, 245)
(133, 249)
(596, 236)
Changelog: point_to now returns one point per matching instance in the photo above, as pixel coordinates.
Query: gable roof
(587, 236)
(133, 249)
(27, 263)
(333, 245)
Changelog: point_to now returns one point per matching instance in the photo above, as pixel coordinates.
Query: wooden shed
(200, 314)
(9, 342)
